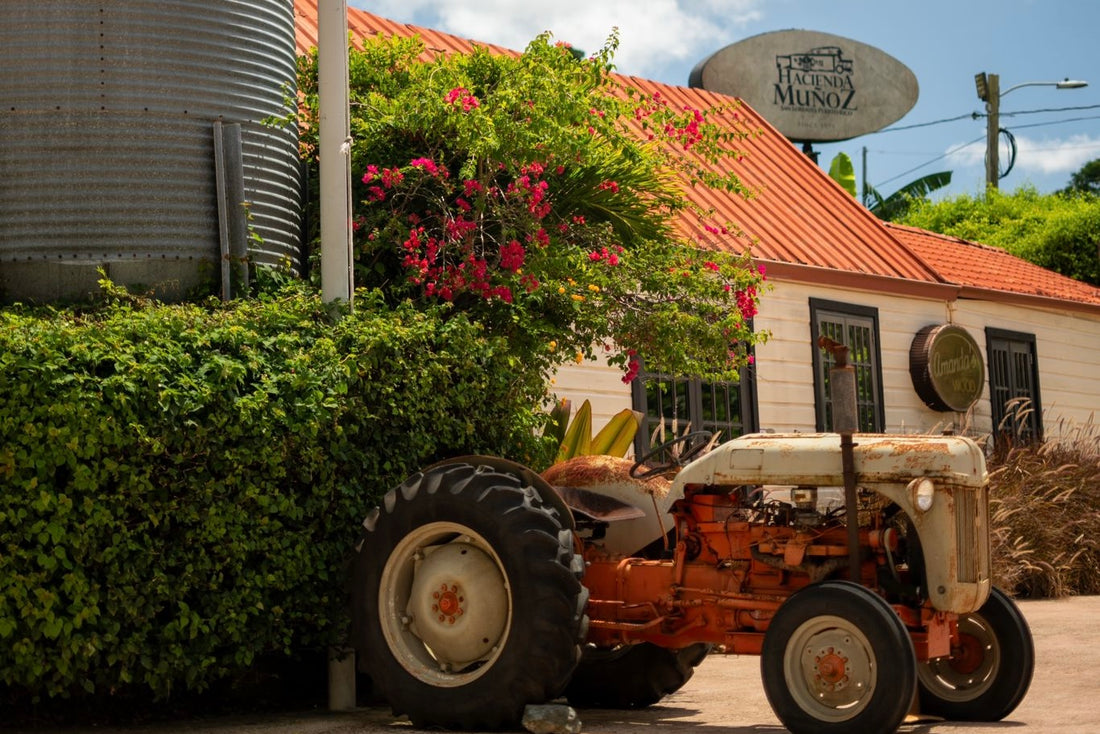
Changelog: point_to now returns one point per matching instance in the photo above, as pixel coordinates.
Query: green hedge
(181, 484)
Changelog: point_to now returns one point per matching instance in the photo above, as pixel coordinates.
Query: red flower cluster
(689, 134)
(429, 166)
(633, 366)
(605, 255)
(389, 178)
(511, 256)
(461, 96)
(442, 252)
(746, 302)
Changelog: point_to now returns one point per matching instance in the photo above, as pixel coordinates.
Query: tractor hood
(814, 459)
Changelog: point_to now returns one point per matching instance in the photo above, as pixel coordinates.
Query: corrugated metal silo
(108, 113)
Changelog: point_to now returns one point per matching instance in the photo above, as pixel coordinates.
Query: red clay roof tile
(991, 269)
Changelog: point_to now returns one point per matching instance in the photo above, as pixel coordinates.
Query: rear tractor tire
(466, 598)
(988, 673)
(631, 676)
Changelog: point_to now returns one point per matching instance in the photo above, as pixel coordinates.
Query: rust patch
(590, 472)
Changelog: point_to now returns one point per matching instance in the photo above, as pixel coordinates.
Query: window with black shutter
(1014, 385)
(856, 327)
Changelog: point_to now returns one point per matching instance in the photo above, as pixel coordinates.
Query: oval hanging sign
(812, 86)
(946, 365)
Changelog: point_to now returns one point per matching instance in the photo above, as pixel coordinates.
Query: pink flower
(632, 368)
(427, 164)
(462, 95)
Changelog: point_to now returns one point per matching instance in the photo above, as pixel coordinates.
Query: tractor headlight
(924, 492)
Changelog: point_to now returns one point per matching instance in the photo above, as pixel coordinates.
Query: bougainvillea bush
(540, 197)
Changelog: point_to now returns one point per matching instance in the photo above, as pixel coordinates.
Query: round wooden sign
(946, 365)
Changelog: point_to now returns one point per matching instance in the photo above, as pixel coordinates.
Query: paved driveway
(725, 696)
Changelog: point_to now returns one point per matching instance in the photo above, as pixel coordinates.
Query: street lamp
(989, 91)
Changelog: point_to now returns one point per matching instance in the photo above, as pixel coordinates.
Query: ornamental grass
(1045, 513)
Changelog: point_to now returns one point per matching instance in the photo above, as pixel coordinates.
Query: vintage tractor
(855, 565)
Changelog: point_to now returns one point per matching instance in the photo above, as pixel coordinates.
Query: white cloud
(1039, 157)
(1055, 156)
(961, 155)
(653, 34)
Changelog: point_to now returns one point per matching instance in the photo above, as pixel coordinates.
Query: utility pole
(992, 130)
(866, 187)
(988, 87)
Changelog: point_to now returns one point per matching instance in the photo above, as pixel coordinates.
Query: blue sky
(945, 43)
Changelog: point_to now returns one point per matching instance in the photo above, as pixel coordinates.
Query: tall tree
(1086, 180)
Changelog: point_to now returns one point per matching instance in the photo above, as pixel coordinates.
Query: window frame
(746, 394)
(819, 307)
(996, 407)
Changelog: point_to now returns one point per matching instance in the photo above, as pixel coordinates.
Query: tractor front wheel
(466, 599)
(836, 658)
(989, 669)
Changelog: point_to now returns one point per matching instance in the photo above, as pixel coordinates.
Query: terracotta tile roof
(799, 222)
(988, 271)
(363, 25)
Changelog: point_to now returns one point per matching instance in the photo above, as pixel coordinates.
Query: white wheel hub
(830, 668)
(444, 604)
(458, 604)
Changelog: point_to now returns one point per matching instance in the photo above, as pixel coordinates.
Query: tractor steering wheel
(670, 454)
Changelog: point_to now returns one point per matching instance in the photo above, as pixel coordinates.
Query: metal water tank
(135, 137)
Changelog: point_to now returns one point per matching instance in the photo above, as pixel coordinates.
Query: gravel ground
(726, 697)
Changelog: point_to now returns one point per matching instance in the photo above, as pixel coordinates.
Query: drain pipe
(842, 380)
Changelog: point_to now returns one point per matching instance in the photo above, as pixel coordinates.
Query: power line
(923, 124)
(1056, 122)
(978, 115)
(1047, 109)
(979, 139)
(928, 163)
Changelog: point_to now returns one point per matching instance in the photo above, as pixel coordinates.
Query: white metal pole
(335, 150)
(336, 269)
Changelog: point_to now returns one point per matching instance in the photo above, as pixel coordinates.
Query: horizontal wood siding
(599, 383)
(1068, 346)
